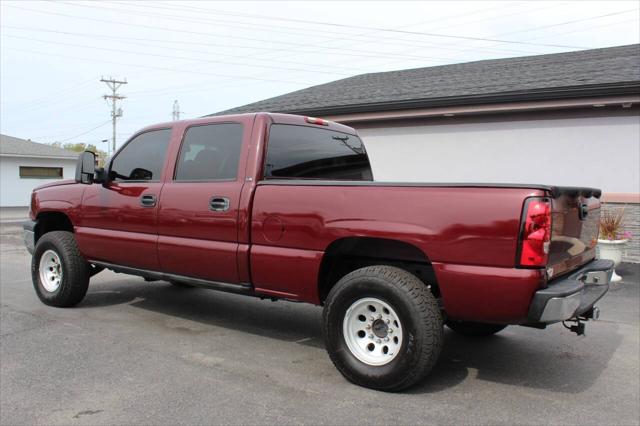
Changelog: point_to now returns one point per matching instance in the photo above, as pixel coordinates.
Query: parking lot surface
(152, 353)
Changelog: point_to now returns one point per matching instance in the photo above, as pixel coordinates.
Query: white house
(562, 119)
(25, 164)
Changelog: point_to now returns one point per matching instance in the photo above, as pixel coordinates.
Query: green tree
(81, 147)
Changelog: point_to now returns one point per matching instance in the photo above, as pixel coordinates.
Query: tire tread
(424, 303)
(76, 270)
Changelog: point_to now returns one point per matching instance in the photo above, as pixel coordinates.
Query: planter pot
(612, 250)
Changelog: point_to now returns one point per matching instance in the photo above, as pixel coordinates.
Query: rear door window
(210, 152)
(302, 152)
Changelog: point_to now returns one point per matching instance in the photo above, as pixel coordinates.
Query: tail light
(535, 236)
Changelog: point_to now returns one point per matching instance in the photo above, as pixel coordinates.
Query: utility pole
(175, 115)
(114, 85)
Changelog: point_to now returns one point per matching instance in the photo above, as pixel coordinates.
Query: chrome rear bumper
(572, 296)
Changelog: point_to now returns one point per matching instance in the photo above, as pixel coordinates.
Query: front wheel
(382, 328)
(60, 274)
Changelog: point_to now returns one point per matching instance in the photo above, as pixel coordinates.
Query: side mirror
(100, 175)
(86, 167)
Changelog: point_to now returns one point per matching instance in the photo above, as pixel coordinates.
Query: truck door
(199, 206)
(119, 219)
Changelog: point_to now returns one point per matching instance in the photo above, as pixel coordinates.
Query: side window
(210, 152)
(142, 158)
(302, 152)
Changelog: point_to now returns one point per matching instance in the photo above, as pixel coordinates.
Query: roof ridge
(511, 58)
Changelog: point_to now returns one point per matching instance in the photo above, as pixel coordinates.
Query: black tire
(75, 270)
(418, 313)
(475, 329)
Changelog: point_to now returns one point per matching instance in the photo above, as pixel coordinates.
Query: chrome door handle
(219, 204)
(148, 200)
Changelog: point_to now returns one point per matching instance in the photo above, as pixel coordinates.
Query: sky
(211, 56)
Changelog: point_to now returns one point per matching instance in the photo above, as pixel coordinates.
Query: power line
(575, 21)
(128, 40)
(407, 56)
(304, 46)
(387, 30)
(590, 28)
(549, 26)
(418, 57)
(123, 64)
(182, 18)
(436, 46)
(377, 40)
(85, 132)
(372, 29)
(56, 94)
(22, 116)
(213, 61)
(60, 132)
(189, 89)
(188, 71)
(372, 39)
(253, 57)
(352, 52)
(449, 46)
(148, 54)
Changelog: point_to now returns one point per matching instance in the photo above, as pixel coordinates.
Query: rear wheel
(382, 328)
(60, 274)
(476, 329)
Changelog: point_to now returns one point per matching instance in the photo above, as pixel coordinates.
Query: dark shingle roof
(607, 71)
(20, 147)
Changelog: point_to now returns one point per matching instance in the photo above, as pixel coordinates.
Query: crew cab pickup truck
(286, 207)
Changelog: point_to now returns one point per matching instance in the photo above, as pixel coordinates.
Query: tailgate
(575, 219)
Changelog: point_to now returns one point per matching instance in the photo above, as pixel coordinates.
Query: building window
(40, 172)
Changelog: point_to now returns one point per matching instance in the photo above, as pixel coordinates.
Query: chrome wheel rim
(372, 331)
(50, 271)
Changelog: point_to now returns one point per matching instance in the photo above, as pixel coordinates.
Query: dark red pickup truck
(285, 207)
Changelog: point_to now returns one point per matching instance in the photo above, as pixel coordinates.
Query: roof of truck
(276, 118)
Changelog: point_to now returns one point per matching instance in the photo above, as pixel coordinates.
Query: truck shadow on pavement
(513, 357)
(552, 359)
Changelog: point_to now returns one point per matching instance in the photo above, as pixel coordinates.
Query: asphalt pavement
(150, 353)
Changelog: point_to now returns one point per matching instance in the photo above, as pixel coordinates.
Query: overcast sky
(211, 56)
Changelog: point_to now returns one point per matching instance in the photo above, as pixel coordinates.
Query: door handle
(148, 200)
(219, 204)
